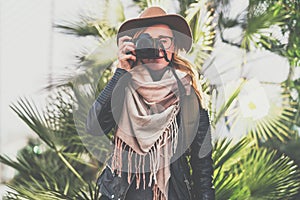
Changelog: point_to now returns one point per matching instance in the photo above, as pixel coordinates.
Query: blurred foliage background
(247, 58)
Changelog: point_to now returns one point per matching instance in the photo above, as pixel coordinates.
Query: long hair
(186, 66)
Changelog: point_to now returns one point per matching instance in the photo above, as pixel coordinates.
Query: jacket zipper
(186, 181)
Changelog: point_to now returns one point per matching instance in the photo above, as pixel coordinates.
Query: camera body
(147, 47)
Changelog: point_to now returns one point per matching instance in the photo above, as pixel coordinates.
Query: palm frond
(261, 17)
(229, 102)
(243, 171)
(91, 66)
(82, 28)
(25, 194)
(30, 115)
(268, 177)
(105, 23)
(275, 123)
(92, 193)
(225, 156)
(200, 17)
(42, 172)
(224, 151)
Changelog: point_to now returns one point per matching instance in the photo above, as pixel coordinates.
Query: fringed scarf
(148, 129)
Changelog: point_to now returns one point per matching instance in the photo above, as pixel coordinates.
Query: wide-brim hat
(156, 15)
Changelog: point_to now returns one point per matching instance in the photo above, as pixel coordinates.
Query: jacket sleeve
(100, 119)
(201, 160)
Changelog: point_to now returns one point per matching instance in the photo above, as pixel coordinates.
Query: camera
(147, 47)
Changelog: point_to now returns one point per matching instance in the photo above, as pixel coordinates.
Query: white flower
(253, 100)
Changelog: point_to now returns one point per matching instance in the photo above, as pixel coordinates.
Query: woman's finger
(124, 39)
(127, 49)
(126, 44)
(126, 57)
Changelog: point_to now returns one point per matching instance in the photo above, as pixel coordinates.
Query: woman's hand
(124, 55)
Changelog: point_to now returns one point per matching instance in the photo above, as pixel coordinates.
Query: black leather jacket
(194, 141)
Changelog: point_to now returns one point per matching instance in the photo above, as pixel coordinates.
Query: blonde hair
(186, 66)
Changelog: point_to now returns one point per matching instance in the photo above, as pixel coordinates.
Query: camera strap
(165, 53)
(181, 88)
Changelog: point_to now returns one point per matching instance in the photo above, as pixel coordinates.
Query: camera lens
(146, 47)
(144, 41)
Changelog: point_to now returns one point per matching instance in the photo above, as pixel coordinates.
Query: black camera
(147, 47)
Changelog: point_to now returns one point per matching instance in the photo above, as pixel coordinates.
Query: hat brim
(174, 21)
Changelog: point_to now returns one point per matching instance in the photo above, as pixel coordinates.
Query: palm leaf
(105, 21)
(243, 171)
(42, 172)
(225, 156)
(275, 124)
(262, 16)
(29, 114)
(56, 138)
(25, 194)
(200, 17)
(85, 27)
(92, 194)
(268, 177)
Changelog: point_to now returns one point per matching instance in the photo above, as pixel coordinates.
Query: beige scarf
(148, 129)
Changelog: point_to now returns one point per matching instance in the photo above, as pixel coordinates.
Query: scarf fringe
(168, 139)
(157, 194)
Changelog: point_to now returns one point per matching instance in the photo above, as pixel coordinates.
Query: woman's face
(160, 31)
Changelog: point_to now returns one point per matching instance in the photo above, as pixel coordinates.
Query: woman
(161, 129)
